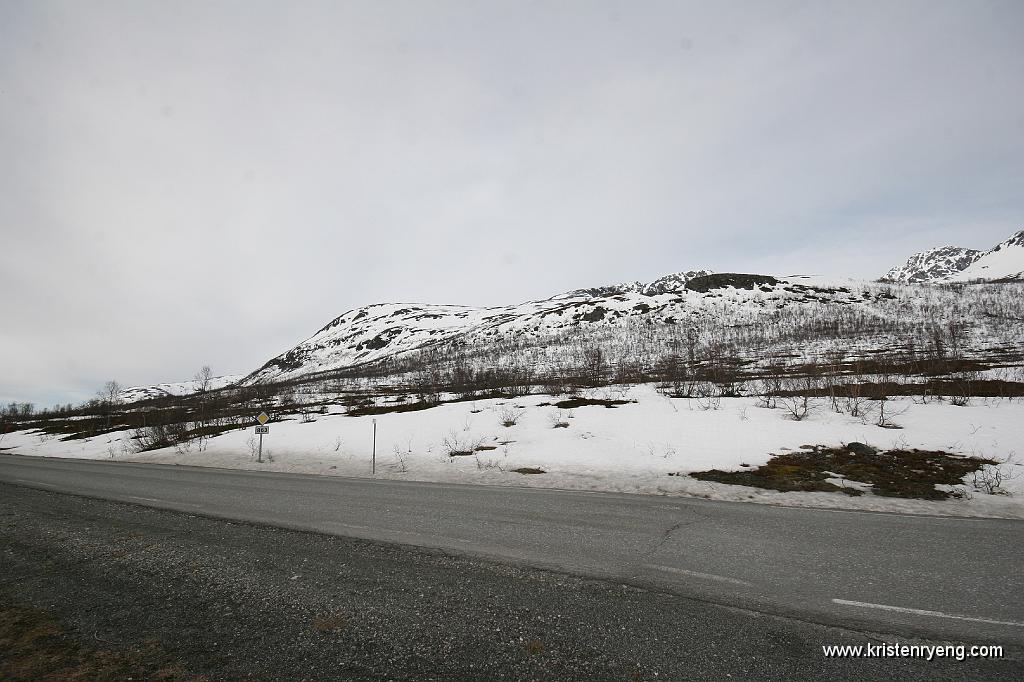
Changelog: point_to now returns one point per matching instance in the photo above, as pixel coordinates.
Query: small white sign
(262, 429)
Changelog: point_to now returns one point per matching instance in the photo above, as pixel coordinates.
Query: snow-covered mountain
(643, 314)
(933, 265)
(178, 388)
(956, 264)
(758, 320)
(1005, 261)
(378, 331)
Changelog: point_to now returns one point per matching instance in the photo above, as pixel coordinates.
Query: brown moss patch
(35, 646)
(573, 403)
(894, 473)
(334, 622)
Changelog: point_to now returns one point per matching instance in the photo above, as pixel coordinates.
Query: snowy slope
(137, 393)
(385, 330)
(956, 264)
(1005, 261)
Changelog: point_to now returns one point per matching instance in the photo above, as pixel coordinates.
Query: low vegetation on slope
(894, 473)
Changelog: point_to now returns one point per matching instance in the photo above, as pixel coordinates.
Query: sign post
(262, 429)
(373, 457)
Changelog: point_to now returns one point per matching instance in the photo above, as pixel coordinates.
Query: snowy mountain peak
(1003, 262)
(1015, 240)
(955, 264)
(933, 265)
(673, 282)
(663, 285)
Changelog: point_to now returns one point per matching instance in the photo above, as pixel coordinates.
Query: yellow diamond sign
(263, 418)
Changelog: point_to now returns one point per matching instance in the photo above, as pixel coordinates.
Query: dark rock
(861, 448)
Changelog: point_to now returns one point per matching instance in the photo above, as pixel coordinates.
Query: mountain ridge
(948, 264)
(380, 330)
(390, 331)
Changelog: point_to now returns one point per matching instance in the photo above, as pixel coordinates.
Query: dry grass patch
(329, 623)
(35, 646)
(894, 473)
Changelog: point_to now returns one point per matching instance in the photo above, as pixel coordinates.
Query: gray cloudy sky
(189, 183)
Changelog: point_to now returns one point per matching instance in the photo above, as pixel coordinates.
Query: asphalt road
(100, 590)
(953, 579)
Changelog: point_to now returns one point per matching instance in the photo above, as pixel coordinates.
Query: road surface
(954, 579)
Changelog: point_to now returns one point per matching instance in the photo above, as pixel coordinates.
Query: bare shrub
(109, 399)
(885, 414)
(677, 376)
(707, 395)
(400, 458)
(156, 436)
(990, 478)
(489, 463)
(510, 415)
(797, 407)
(797, 399)
(457, 445)
(960, 400)
(768, 390)
(558, 420)
(855, 404)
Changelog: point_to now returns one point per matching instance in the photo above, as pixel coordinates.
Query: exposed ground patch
(371, 409)
(573, 403)
(893, 473)
(37, 646)
(722, 280)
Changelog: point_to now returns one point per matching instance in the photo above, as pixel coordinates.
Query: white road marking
(146, 499)
(22, 480)
(698, 574)
(922, 612)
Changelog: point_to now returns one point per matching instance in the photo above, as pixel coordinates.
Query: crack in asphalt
(696, 517)
(664, 538)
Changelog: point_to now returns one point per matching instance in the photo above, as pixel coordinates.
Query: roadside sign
(261, 430)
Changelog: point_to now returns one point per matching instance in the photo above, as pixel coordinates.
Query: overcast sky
(189, 183)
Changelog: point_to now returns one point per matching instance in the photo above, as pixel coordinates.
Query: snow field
(630, 449)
